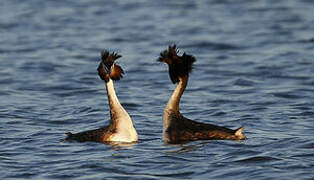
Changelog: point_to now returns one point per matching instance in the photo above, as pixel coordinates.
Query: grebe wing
(201, 130)
(96, 135)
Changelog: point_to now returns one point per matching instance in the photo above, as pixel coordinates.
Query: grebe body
(176, 127)
(120, 128)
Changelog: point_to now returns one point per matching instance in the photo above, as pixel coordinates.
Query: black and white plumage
(176, 127)
(120, 128)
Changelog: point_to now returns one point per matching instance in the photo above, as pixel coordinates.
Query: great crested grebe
(120, 128)
(176, 127)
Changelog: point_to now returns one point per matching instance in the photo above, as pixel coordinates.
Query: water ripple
(254, 69)
(211, 46)
(257, 159)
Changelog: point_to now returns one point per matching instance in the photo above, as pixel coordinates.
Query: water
(254, 68)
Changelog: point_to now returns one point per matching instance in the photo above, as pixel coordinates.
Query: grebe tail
(176, 127)
(120, 128)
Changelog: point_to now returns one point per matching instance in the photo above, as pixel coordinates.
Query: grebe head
(179, 66)
(107, 69)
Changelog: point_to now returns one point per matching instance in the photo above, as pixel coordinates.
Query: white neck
(114, 103)
(119, 117)
(174, 102)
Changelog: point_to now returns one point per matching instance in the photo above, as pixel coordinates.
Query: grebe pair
(176, 128)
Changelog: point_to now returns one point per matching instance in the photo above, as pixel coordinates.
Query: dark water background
(255, 69)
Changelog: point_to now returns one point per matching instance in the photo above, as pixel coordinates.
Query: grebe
(176, 127)
(120, 128)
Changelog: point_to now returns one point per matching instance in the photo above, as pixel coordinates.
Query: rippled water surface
(255, 68)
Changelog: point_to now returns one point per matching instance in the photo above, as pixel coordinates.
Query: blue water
(255, 68)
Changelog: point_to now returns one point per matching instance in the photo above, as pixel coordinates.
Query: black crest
(108, 59)
(179, 66)
(107, 67)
